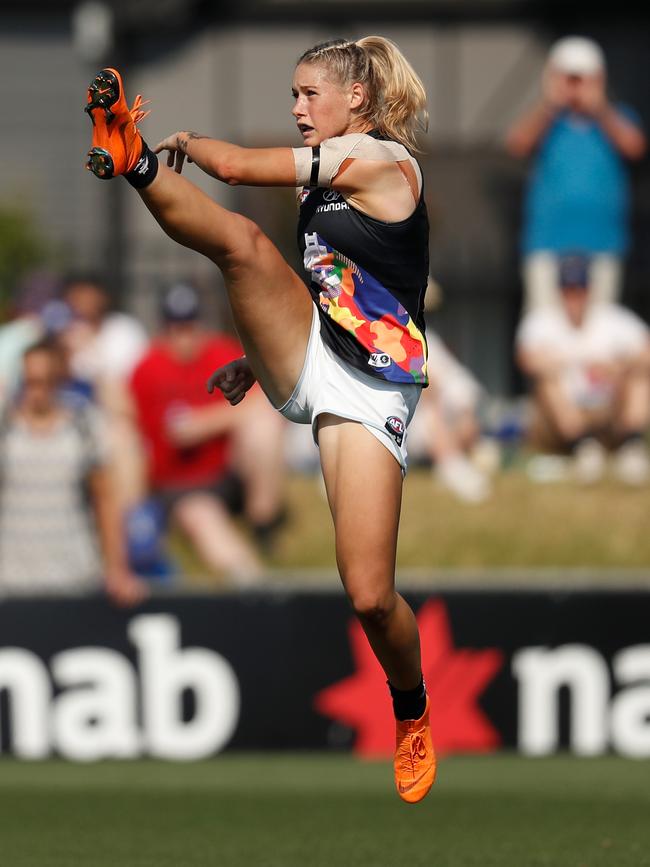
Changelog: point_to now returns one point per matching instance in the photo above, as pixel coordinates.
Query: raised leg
(270, 304)
(271, 308)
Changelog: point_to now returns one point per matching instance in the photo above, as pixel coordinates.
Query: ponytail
(399, 105)
(396, 99)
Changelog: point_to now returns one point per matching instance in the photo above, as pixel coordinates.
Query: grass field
(524, 525)
(324, 811)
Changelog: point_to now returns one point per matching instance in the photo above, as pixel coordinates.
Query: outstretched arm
(265, 167)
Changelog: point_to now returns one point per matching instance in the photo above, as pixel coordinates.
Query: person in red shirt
(206, 459)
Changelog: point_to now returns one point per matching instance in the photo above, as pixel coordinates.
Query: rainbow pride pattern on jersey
(357, 302)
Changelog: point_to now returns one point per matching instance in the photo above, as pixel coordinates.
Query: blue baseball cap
(573, 271)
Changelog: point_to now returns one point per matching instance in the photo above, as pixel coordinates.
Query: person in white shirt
(103, 348)
(589, 364)
(105, 344)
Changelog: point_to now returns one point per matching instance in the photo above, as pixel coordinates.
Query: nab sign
(186, 677)
(89, 703)
(605, 711)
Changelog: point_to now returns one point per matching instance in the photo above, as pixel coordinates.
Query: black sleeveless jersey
(368, 280)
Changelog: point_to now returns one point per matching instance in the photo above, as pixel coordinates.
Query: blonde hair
(396, 99)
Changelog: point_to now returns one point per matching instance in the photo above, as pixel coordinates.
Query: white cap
(576, 55)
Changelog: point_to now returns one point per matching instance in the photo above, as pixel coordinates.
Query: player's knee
(372, 606)
(245, 240)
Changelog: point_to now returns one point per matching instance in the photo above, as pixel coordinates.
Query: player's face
(323, 108)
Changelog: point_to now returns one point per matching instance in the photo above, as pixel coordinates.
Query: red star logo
(455, 678)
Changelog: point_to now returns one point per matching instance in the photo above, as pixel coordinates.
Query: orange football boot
(415, 759)
(117, 143)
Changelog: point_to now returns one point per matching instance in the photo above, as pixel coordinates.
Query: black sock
(145, 169)
(409, 703)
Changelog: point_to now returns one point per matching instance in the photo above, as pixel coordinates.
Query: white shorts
(328, 384)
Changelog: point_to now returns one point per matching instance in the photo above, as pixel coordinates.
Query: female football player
(349, 355)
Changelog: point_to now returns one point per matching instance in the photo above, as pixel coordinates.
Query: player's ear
(357, 95)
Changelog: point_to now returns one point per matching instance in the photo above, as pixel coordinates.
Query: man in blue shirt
(578, 189)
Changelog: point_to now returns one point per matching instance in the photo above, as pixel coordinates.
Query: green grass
(324, 811)
(524, 525)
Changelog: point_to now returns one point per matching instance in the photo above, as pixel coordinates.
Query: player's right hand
(233, 380)
(176, 145)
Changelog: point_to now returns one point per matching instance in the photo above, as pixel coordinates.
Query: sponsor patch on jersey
(395, 427)
(333, 206)
(380, 359)
(330, 195)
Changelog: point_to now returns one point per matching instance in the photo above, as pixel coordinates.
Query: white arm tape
(318, 166)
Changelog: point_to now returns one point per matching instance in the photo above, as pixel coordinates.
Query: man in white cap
(578, 190)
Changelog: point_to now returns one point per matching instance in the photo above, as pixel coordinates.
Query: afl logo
(330, 196)
(395, 427)
(380, 359)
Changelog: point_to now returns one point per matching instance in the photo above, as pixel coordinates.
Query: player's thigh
(364, 488)
(272, 310)
(270, 304)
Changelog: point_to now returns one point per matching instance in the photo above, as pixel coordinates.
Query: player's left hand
(233, 379)
(176, 144)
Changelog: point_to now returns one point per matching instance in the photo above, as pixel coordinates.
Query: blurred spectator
(24, 328)
(207, 460)
(578, 190)
(103, 347)
(55, 493)
(589, 365)
(445, 427)
(104, 344)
